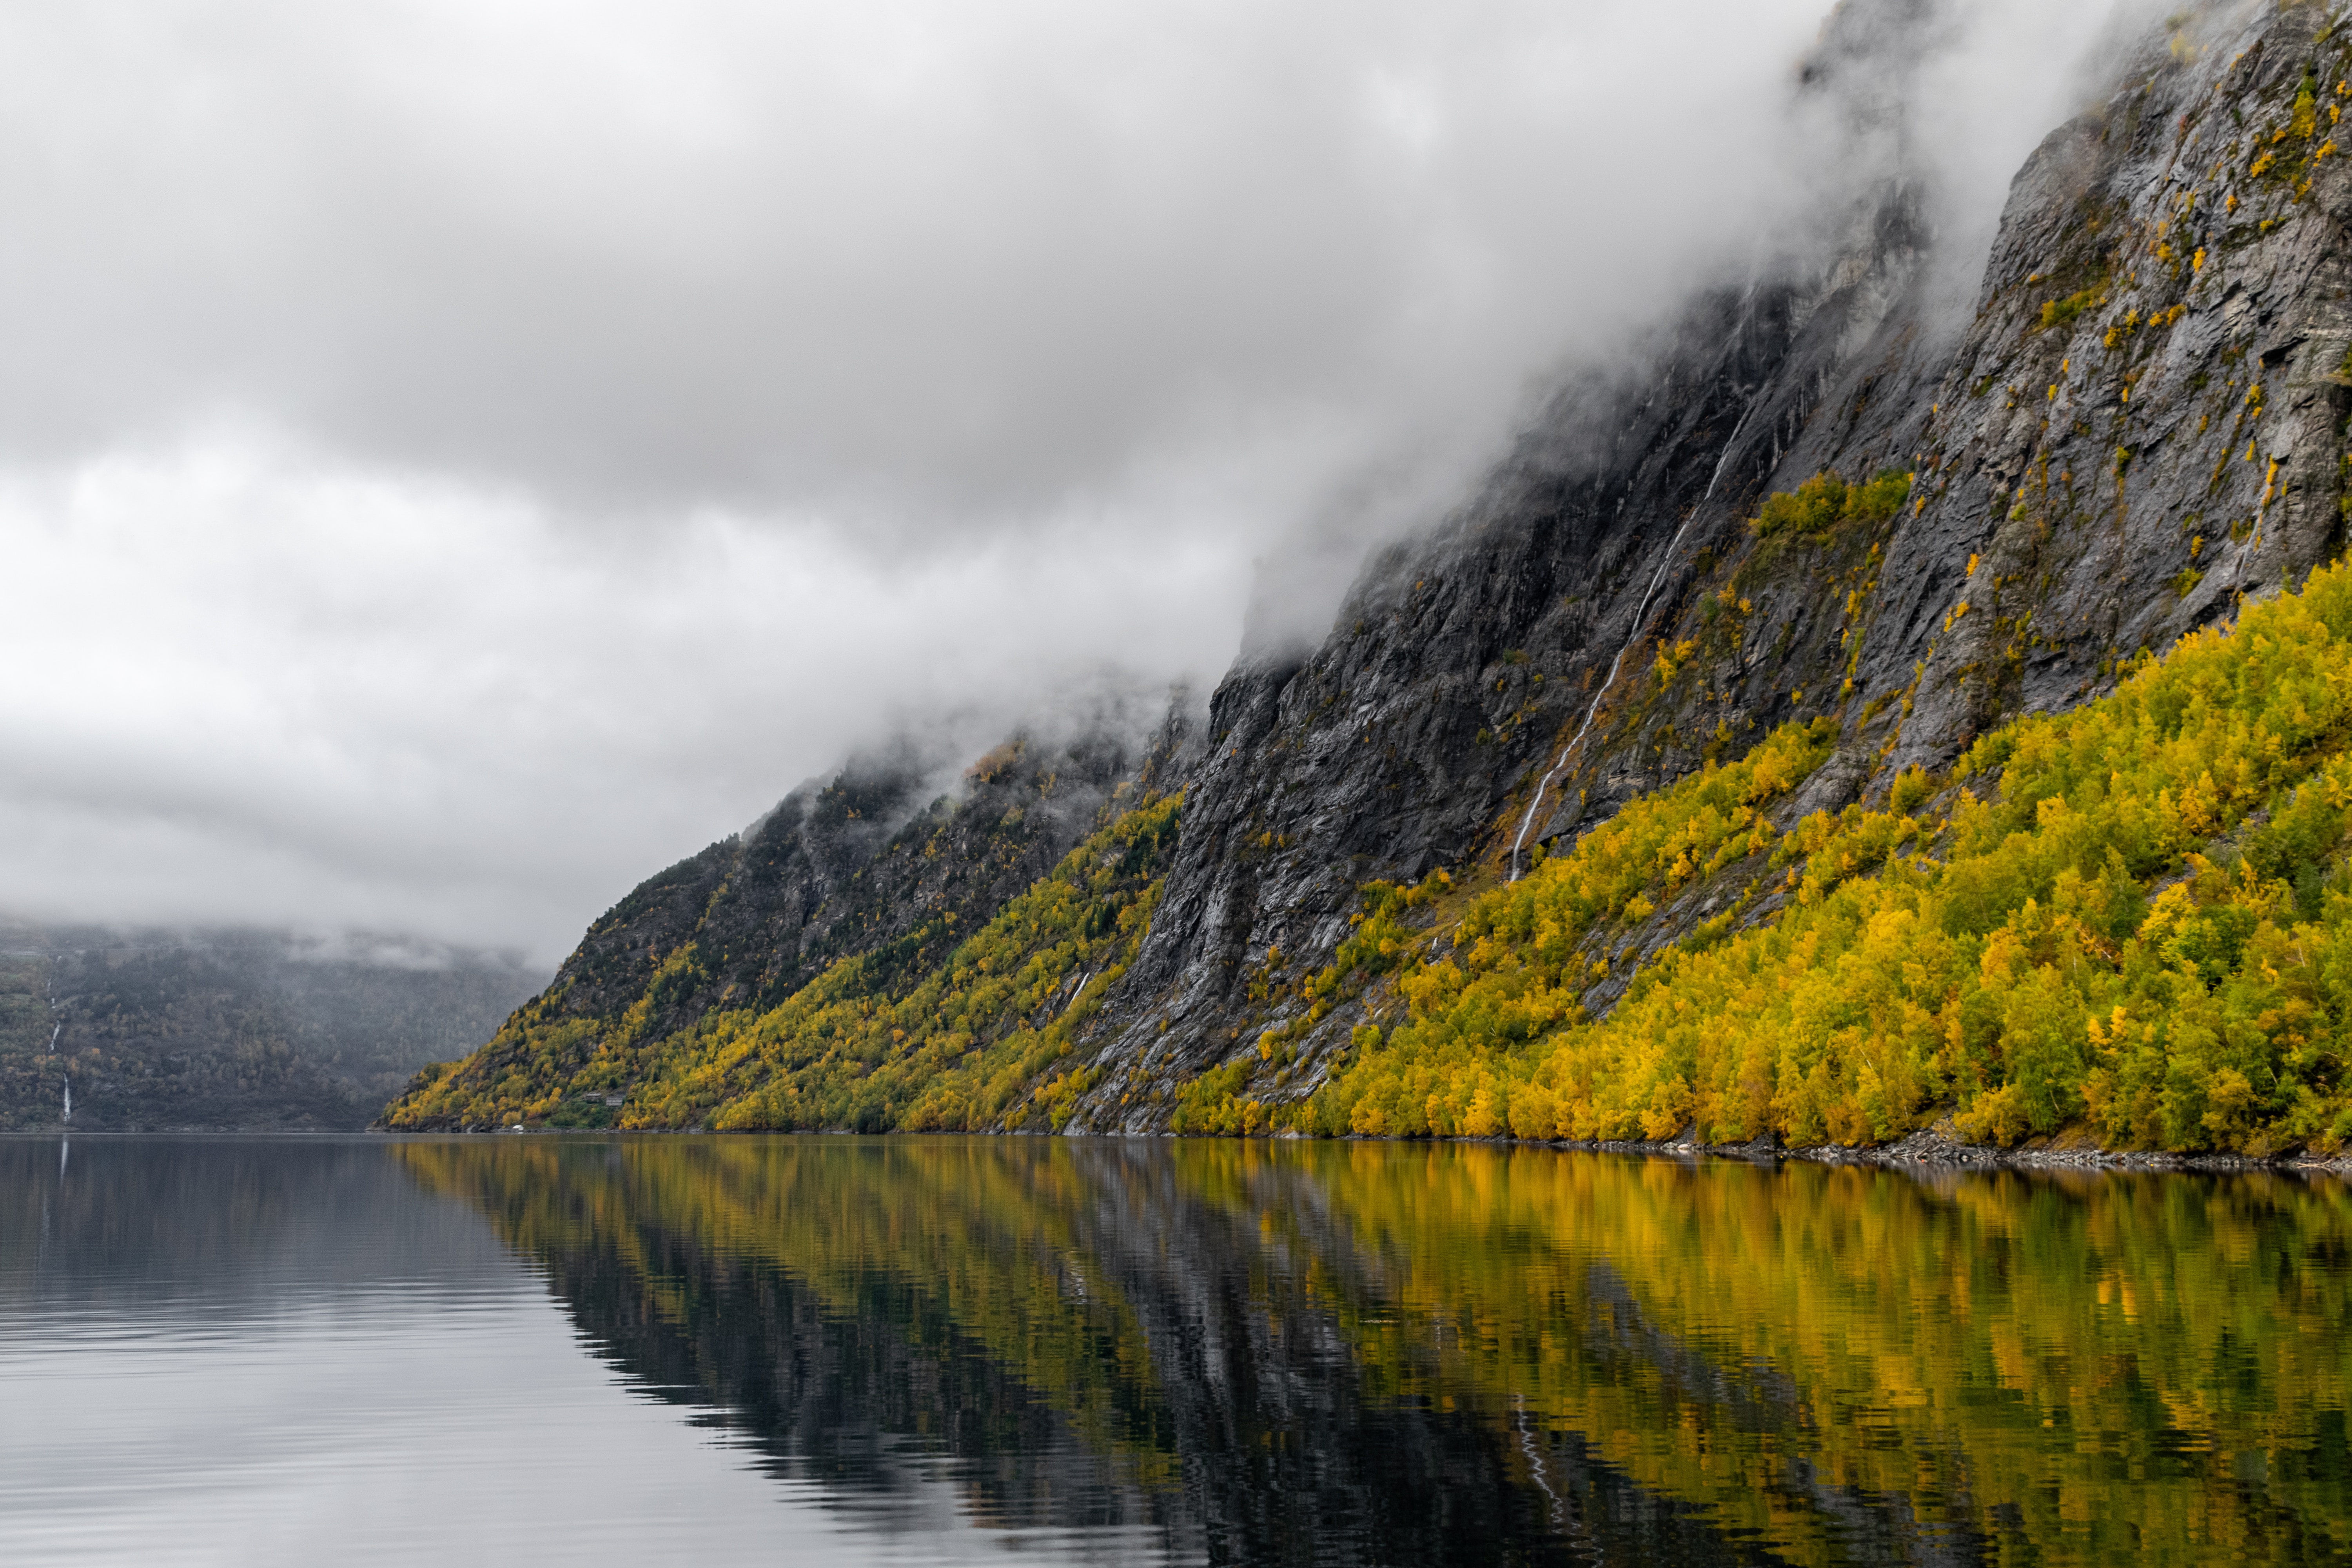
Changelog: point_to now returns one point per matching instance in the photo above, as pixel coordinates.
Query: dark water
(928, 1350)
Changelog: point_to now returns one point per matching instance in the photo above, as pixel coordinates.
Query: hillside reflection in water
(1293, 1352)
(926, 1350)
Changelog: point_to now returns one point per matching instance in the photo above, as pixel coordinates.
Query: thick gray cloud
(456, 457)
(946, 255)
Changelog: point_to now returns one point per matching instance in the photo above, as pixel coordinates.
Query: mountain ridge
(1666, 572)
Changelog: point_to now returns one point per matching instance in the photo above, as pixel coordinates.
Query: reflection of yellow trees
(957, 1239)
(2112, 1360)
(2019, 956)
(977, 1040)
(2109, 1369)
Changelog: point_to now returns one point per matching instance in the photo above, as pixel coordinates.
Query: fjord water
(926, 1350)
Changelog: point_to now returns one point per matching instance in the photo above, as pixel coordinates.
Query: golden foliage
(2146, 927)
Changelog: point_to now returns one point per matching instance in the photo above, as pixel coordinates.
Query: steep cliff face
(2146, 420)
(2142, 422)
(1462, 667)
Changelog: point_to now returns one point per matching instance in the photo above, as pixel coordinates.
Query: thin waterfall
(1641, 615)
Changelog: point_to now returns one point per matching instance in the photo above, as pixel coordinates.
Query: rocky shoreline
(1940, 1145)
(1935, 1146)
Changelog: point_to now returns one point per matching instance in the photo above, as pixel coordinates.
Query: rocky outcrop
(2146, 421)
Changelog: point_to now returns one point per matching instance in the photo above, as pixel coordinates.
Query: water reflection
(1254, 1352)
(1071, 1334)
(911, 1350)
(286, 1352)
(122, 1227)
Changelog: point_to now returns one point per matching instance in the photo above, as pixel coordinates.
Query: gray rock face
(2124, 477)
(2143, 422)
(1400, 745)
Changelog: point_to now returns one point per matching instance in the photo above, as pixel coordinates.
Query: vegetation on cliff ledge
(1826, 503)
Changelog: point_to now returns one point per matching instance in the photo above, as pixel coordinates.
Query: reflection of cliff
(844, 1397)
(915, 1323)
(1378, 1352)
(1248, 1282)
(1089, 1335)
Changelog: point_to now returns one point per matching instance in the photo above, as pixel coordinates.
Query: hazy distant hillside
(230, 1029)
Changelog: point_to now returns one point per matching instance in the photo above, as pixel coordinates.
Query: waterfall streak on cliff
(1640, 616)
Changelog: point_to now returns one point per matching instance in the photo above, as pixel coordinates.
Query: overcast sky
(457, 457)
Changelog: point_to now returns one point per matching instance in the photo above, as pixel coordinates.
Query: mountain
(1773, 632)
(222, 1029)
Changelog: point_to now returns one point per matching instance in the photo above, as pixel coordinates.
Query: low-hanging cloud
(459, 456)
(402, 705)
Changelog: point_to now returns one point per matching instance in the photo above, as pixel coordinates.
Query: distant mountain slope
(228, 1029)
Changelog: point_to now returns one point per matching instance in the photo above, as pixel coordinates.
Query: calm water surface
(945, 1350)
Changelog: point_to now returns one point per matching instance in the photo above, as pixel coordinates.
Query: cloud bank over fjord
(467, 456)
(409, 706)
